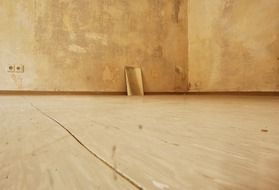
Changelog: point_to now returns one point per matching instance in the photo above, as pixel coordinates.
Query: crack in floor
(131, 181)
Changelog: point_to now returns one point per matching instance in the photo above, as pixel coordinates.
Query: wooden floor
(152, 142)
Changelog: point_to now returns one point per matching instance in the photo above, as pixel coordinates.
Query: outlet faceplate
(11, 68)
(19, 68)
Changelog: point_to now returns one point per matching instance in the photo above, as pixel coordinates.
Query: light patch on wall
(17, 80)
(97, 37)
(76, 49)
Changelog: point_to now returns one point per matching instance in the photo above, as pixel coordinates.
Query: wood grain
(35, 153)
(178, 142)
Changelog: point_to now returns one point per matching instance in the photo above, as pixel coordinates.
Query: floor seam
(131, 181)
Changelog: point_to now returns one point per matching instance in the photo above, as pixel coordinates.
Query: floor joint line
(131, 181)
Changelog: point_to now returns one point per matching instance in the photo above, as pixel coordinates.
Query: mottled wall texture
(234, 45)
(84, 45)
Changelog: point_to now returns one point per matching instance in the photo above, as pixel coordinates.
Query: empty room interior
(139, 95)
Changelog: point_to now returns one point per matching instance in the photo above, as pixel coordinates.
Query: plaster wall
(84, 45)
(234, 45)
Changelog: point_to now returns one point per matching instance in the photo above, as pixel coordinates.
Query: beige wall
(234, 45)
(70, 45)
(83, 45)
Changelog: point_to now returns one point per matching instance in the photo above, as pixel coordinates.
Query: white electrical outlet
(19, 68)
(11, 68)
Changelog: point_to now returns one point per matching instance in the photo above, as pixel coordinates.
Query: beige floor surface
(152, 142)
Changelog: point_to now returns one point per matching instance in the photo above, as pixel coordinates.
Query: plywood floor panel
(178, 142)
(35, 153)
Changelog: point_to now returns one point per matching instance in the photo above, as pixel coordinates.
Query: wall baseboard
(242, 93)
(237, 93)
(47, 93)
